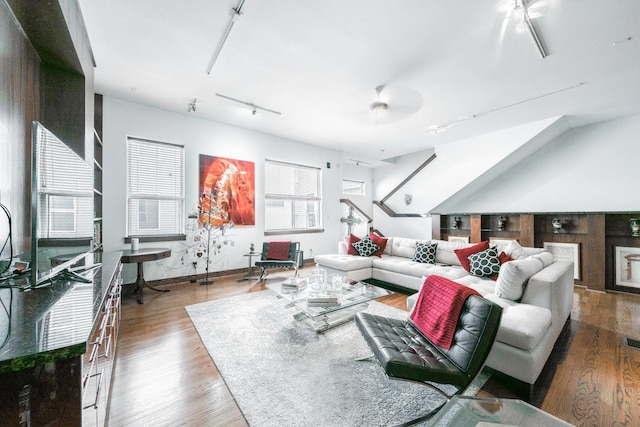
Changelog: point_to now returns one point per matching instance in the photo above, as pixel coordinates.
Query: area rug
(282, 373)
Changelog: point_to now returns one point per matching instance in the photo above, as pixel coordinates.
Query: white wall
(122, 119)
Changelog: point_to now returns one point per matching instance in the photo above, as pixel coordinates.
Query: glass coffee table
(463, 411)
(324, 310)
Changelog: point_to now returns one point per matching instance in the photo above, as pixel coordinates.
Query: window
(65, 191)
(293, 199)
(155, 188)
(352, 188)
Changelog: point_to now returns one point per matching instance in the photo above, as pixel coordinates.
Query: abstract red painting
(227, 191)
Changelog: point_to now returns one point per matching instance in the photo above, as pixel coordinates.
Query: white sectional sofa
(530, 325)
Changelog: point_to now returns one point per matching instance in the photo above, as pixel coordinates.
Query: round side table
(250, 275)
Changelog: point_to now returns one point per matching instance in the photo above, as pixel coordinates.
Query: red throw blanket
(438, 307)
(278, 249)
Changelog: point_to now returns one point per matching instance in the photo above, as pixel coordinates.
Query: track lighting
(254, 108)
(521, 7)
(235, 13)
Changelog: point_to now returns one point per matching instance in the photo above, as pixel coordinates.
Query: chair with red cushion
(289, 258)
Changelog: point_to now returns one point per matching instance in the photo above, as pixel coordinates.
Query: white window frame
(360, 184)
(306, 221)
(167, 168)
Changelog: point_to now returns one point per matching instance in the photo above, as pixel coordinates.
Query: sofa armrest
(552, 287)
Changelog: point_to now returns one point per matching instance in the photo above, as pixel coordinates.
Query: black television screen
(61, 206)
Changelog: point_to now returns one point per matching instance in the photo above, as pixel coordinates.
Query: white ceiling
(319, 62)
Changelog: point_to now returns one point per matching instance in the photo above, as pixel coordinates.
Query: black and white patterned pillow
(485, 263)
(365, 247)
(425, 253)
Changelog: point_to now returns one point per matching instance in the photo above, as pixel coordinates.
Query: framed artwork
(628, 266)
(459, 239)
(227, 191)
(566, 252)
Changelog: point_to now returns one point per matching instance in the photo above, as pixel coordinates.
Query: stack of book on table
(322, 300)
(293, 283)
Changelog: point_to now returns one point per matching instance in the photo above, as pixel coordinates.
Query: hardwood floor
(165, 377)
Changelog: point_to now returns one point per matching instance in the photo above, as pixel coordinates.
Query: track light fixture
(521, 7)
(191, 107)
(435, 130)
(235, 14)
(254, 108)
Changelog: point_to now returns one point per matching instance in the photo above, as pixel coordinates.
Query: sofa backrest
(402, 246)
(445, 251)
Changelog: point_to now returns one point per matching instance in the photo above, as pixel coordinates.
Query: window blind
(155, 188)
(293, 197)
(65, 191)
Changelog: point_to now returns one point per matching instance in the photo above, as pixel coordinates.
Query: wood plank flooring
(165, 377)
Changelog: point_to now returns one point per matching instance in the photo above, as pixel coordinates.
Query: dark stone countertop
(54, 322)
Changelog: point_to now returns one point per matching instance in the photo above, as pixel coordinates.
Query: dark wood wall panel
(20, 90)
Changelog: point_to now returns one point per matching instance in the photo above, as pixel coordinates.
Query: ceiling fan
(390, 104)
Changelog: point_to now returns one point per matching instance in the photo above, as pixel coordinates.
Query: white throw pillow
(514, 275)
(514, 250)
(545, 257)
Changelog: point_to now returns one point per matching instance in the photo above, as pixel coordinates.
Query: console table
(140, 256)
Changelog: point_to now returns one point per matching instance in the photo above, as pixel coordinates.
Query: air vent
(631, 343)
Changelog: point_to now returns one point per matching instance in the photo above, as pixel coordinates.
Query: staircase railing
(386, 209)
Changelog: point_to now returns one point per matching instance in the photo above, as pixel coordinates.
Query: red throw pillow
(463, 254)
(502, 258)
(380, 241)
(350, 249)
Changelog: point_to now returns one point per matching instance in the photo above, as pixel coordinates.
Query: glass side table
(464, 411)
(250, 275)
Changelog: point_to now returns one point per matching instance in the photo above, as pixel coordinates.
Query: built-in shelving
(97, 173)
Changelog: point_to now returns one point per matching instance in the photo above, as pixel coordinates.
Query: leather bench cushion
(344, 262)
(404, 352)
(405, 266)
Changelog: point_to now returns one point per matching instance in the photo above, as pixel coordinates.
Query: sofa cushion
(350, 249)
(425, 253)
(402, 265)
(366, 247)
(404, 247)
(463, 254)
(513, 276)
(523, 325)
(545, 257)
(485, 263)
(380, 241)
(343, 262)
(514, 250)
(445, 252)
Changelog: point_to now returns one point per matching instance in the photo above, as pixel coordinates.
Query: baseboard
(212, 274)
